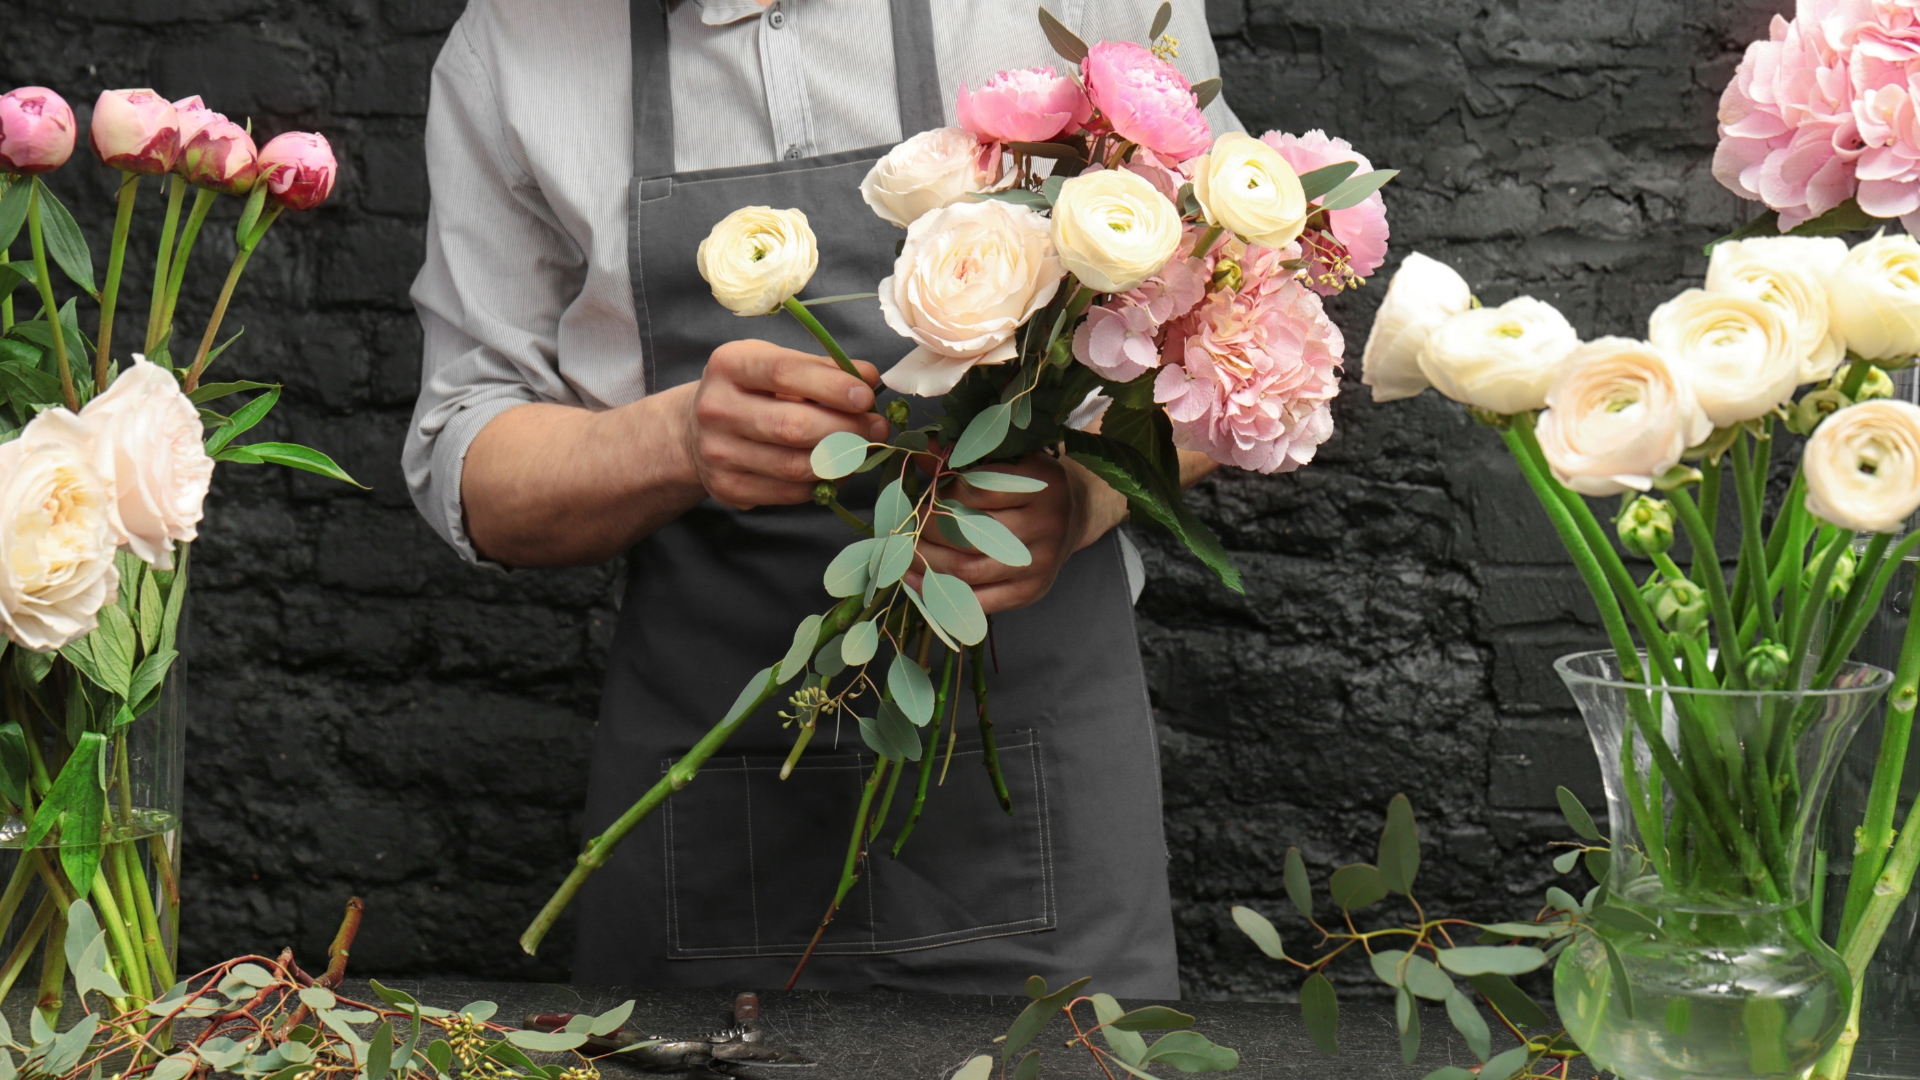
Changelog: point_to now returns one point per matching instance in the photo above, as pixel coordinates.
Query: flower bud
(1681, 606)
(191, 114)
(135, 130)
(221, 157)
(1646, 527)
(1842, 579)
(898, 413)
(1813, 407)
(36, 131)
(824, 492)
(1766, 663)
(298, 169)
(1228, 275)
(1877, 384)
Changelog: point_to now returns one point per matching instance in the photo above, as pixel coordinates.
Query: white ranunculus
(757, 257)
(1498, 359)
(1113, 229)
(965, 280)
(1246, 186)
(1737, 354)
(933, 169)
(1876, 298)
(146, 435)
(1618, 415)
(1423, 294)
(1862, 467)
(56, 534)
(1791, 273)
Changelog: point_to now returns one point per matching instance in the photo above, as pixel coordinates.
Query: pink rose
(1146, 99)
(220, 157)
(1249, 374)
(1120, 338)
(1361, 231)
(135, 130)
(298, 169)
(36, 131)
(1023, 105)
(146, 436)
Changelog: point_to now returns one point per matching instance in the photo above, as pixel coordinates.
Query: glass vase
(1714, 799)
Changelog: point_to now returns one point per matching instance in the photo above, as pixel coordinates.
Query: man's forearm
(554, 485)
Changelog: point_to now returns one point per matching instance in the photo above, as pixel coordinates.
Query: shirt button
(776, 18)
(793, 152)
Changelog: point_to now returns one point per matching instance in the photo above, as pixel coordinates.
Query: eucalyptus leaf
(847, 574)
(993, 539)
(1503, 1065)
(891, 510)
(1407, 1016)
(1427, 980)
(1521, 929)
(1205, 91)
(174, 1067)
(1510, 1000)
(1064, 41)
(1320, 181)
(838, 455)
(67, 1047)
(1261, 930)
(1128, 1046)
(995, 480)
(911, 689)
(890, 734)
(1160, 20)
(1357, 189)
(1190, 1051)
(1399, 847)
(549, 1042)
(1320, 1008)
(610, 1021)
(1498, 959)
(479, 1011)
(1576, 814)
(828, 661)
(1153, 1018)
(804, 637)
(1386, 967)
(891, 560)
(1631, 922)
(317, 997)
(932, 623)
(951, 603)
(1470, 1024)
(983, 436)
(862, 641)
(1567, 860)
(748, 695)
(1299, 889)
(1561, 900)
(1356, 886)
(1035, 1016)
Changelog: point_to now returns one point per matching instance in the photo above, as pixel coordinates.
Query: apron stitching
(753, 874)
(779, 172)
(673, 893)
(1045, 830)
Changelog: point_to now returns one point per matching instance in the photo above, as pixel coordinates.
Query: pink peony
(1360, 231)
(220, 157)
(36, 131)
(135, 130)
(1023, 105)
(298, 169)
(1119, 338)
(1250, 373)
(1146, 99)
(193, 115)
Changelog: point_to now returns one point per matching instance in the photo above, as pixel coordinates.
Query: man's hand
(756, 414)
(1076, 509)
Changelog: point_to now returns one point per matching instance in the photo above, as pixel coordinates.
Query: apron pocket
(752, 860)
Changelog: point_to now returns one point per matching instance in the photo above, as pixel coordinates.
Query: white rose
(933, 169)
(1876, 298)
(1245, 185)
(56, 534)
(1789, 272)
(1498, 359)
(965, 280)
(1423, 294)
(757, 258)
(1114, 229)
(1618, 415)
(1863, 467)
(146, 435)
(1737, 354)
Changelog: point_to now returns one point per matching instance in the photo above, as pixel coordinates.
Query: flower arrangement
(104, 468)
(1153, 288)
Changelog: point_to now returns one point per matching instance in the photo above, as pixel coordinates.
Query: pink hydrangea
(1120, 338)
(1249, 374)
(1359, 232)
(1145, 99)
(1023, 105)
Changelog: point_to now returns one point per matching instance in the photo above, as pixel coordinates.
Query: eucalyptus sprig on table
(1121, 1045)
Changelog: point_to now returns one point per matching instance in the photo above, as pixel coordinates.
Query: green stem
(163, 262)
(1856, 375)
(931, 752)
(1207, 240)
(1753, 559)
(989, 750)
(853, 520)
(158, 962)
(1875, 837)
(799, 311)
(1076, 307)
(1714, 582)
(44, 281)
(110, 296)
(1816, 597)
(53, 968)
(6, 301)
(169, 892)
(886, 802)
(177, 268)
(849, 873)
(679, 775)
(1889, 890)
(132, 971)
(213, 324)
(16, 891)
(23, 951)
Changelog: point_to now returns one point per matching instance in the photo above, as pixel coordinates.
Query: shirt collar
(721, 12)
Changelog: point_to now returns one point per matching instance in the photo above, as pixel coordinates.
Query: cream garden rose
(757, 257)
(1738, 354)
(1790, 273)
(1423, 294)
(146, 436)
(1113, 229)
(1862, 467)
(1246, 186)
(966, 278)
(1876, 298)
(933, 169)
(1617, 416)
(1498, 359)
(56, 533)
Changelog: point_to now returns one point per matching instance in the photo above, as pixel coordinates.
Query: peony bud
(191, 114)
(221, 157)
(1680, 605)
(36, 131)
(298, 169)
(1646, 527)
(135, 130)
(1767, 661)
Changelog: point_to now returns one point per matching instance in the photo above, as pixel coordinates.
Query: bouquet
(104, 468)
(1086, 271)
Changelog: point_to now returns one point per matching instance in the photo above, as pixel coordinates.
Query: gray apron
(726, 885)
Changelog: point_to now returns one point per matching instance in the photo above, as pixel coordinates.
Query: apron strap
(915, 69)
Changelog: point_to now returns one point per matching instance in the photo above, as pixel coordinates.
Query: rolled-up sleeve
(499, 274)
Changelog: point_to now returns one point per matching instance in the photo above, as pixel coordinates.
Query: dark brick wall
(368, 715)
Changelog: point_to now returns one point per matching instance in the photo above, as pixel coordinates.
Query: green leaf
(1449, 1072)
(1623, 919)
(176, 601)
(1399, 847)
(911, 689)
(1051, 151)
(1205, 91)
(828, 661)
(1599, 863)
(863, 640)
(1029, 1067)
(1051, 187)
(891, 560)
(77, 804)
(65, 243)
(1576, 814)
(1064, 41)
(1153, 1018)
(994, 480)
(243, 420)
(1035, 1016)
(317, 998)
(1299, 890)
(1386, 967)
(440, 1055)
(508, 1054)
(174, 1067)
(291, 455)
(1355, 190)
(1567, 860)
(847, 574)
(1504, 1064)
(1427, 980)
(1520, 929)
(380, 1051)
(249, 216)
(16, 766)
(1190, 1051)
(150, 607)
(804, 637)
(1127, 471)
(893, 732)
(482, 1011)
(1470, 1024)
(1407, 1014)
(550, 1042)
(991, 538)
(1128, 1046)
(1320, 181)
(1017, 196)
(891, 510)
(252, 975)
(838, 455)
(215, 391)
(1160, 20)
(1498, 959)
(952, 604)
(149, 675)
(610, 1021)
(1036, 987)
(749, 694)
(1256, 926)
(13, 212)
(983, 435)
(1510, 1000)
(1320, 1008)
(113, 648)
(69, 1045)
(1356, 886)
(932, 623)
